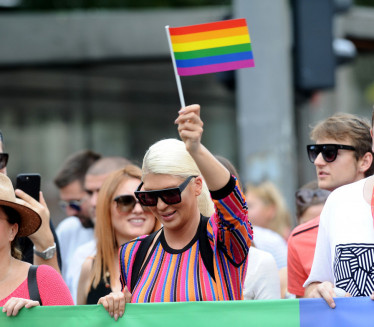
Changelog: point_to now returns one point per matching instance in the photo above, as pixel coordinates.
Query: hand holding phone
(30, 184)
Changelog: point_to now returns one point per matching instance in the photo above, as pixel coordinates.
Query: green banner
(265, 313)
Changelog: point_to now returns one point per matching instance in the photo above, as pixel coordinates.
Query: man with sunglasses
(42, 247)
(344, 260)
(77, 228)
(342, 154)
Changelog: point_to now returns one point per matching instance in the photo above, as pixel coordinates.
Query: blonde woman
(192, 258)
(267, 208)
(120, 218)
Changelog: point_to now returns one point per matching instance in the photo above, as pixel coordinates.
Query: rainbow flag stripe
(212, 47)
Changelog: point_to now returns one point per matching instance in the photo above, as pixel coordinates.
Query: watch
(47, 253)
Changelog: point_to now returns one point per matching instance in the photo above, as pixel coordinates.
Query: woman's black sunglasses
(126, 203)
(168, 195)
(329, 151)
(3, 160)
(304, 197)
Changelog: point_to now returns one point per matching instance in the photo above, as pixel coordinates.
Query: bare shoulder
(87, 264)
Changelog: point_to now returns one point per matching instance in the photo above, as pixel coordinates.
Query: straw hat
(30, 220)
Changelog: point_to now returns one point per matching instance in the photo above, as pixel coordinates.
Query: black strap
(139, 258)
(32, 284)
(205, 248)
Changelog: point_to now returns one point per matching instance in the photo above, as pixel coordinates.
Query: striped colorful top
(170, 275)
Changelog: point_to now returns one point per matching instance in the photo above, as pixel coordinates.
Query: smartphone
(30, 184)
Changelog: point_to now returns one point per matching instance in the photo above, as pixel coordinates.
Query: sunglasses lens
(125, 203)
(329, 153)
(75, 205)
(304, 196)
(313, 152)
(147, 199)
(172, 196)
(322, 194)
(3, 160)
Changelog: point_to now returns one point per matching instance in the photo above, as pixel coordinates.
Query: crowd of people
(183, 227)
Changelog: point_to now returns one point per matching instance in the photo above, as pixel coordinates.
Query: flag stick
(177, 78)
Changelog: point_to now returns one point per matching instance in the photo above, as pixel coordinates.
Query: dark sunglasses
(168, 195)
(329, 151)
(3, 160)
(126, 203)
(306, 196)
(73, 204)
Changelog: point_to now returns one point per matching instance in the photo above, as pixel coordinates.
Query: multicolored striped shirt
(170, 275)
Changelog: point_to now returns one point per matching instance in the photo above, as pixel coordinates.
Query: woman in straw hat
(18, 220)
(192, 258)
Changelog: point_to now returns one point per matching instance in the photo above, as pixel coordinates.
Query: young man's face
(343, 170)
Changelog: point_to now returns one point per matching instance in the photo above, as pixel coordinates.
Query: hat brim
(30, 220)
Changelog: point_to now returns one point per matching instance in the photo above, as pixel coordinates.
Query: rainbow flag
(212, 47)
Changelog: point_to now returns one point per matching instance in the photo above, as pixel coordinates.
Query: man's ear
(366, 161)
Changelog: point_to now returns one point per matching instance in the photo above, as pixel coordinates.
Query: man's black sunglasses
(3, 160)
(168, 195)
(329, 151)
(73, 204)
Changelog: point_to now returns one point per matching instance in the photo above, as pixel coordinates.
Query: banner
(263, 313)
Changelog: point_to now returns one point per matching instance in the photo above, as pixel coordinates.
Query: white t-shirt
(74, 268)
(262, 278)
(71, 234)
(267, 240)
(344, 252)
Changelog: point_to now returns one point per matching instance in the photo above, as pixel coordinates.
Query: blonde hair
(107, 245)
(170, 157)
(270, 195)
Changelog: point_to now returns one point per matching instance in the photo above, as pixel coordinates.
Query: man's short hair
(107, 165)
(343, 126)
(75, 167)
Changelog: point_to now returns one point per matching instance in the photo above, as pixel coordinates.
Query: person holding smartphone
(42, 246)
(19, 287)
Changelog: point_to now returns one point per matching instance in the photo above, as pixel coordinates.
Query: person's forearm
(215, 174)
(42, 241)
